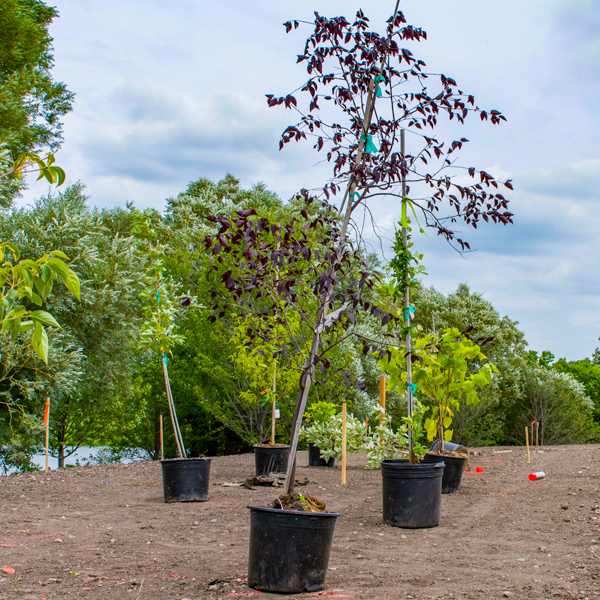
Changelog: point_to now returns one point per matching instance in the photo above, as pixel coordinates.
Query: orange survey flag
(46, 411)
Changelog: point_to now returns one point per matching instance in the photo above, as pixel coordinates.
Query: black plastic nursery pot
(270, 459)
(185, 479)
(289, 549)
(453, 470)
(412, 494)
(315, 460)
(448, 447)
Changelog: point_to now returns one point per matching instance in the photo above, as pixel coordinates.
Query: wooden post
(162, 447)
(527, 442)
(344, 444)
(537, 433)
(381, 398)
(47, 424)
(274, 407)
(531, 438)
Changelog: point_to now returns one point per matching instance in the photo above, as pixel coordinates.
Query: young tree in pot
(352, 68)
(259, 361)
(184, 479)
(450, 369)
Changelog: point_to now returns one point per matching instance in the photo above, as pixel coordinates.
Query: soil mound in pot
(446, 453)
(300, 502)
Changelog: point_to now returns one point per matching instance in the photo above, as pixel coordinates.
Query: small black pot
(315, 460)
(453, 470)
(448, 447)
(185, 479)
(270, 459)
(412, 494)
(289, 549)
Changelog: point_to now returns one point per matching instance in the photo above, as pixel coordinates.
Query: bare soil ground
(104, 532)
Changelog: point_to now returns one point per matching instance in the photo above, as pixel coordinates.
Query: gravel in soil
(104, 532)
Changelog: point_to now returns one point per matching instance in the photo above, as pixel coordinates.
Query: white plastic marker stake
(536, 476)
(527, 442)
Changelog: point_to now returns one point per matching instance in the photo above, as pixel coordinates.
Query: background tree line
(106, 390)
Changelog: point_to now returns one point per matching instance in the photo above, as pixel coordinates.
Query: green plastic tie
(370, 147)
(412, 387)
(379, 79)
(158, 296)
(409, 312)
(166, 358)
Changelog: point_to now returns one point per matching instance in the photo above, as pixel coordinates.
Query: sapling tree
(160, 333)
(377, 90)
(448, 371)
(269, 378)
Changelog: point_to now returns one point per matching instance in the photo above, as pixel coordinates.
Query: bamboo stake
(273, 408)
(381, 398)
(162, 447)
(527, 442)
(47, 424)
(409, 398)
(441, 434)
(178, 438)
(344, 444)
(532, 423)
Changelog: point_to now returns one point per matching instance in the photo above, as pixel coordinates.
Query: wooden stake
(527, 442)
(537, 433)
(273, 408)
(178, 439)
(344, 444)
(162, 447)
(531, 438)
(47, 423)
(409, 397)
(381, 398)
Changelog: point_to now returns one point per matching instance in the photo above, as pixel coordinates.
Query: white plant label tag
(277, 413)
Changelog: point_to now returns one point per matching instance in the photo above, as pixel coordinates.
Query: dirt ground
(104, 532)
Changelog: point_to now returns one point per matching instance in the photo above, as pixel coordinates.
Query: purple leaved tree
(365, 90)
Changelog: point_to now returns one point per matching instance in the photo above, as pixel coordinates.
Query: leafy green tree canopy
(31, 103)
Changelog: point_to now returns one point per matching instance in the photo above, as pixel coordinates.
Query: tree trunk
(61, 444)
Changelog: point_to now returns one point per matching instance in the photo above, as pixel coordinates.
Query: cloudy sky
(169, 92)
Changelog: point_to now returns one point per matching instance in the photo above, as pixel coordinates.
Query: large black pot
(315, 460)
(185, 479)
(270, 459)
(453, 470)
(289, 549)
(412, 494)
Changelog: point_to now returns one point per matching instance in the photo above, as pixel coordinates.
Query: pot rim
(293, 512)
(173, 460)
(403, 462)
(271, 446)
(443, 457)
